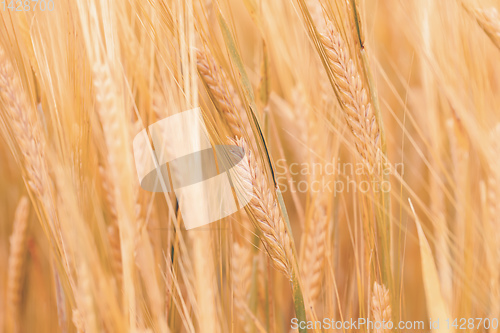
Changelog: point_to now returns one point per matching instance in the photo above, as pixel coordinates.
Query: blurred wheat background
(407, 91)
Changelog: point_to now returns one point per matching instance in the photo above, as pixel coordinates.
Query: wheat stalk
(266, 211)
(493, 219)
(363, 122)
(16, 263)
(116, 255)
(353, 96)
(381, 306)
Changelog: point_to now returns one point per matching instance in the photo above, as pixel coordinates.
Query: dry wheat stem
(16, 263)
(266, 211)
(381, 306)
(353, 97)
(145, 261)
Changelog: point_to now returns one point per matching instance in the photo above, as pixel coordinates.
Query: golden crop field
(362, 190)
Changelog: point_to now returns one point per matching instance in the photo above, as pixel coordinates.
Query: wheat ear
(241, 272)
(108, 189)
(113, 232)
(265, 209)
(78, 321)
(316, 11)
(489, 20)
(27, 132)
(85, 298)
(16, 263)
(494, 178)
(353, 96)
(226, 98)
(116, 254)
(381, 306)
(229, 103)
(116, 136)
(315, 231)
(315, 247)
(493, 219)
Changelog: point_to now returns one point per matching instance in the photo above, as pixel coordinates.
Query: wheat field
(367, 134)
